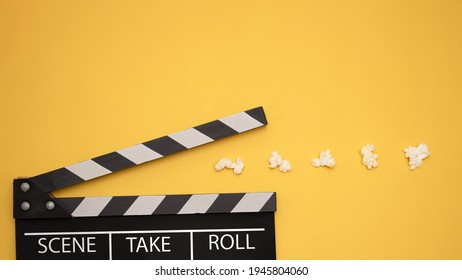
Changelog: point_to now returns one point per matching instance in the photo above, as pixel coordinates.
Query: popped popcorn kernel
(325, 159)
(369, 158)
(416, 155)
(227, 163)
(239, 165)
(285, 166)
(276, 160)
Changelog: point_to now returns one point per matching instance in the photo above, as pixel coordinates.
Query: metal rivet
(50, 205)
(25, 206)
(25, 187)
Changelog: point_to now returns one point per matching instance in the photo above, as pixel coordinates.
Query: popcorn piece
(285, 166)
(276, 160)
(325, 159)
(222, 163)
(239, 165)
(416, 155)
(369, 158)
(227, 163)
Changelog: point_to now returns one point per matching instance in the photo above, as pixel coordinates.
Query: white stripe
(241, 122)
(198, 203)
(88, 170)
(144, 205)
(91, 206)
(190, 138)
(252, 202)
(139, 154)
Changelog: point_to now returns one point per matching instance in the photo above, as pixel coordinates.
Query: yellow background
(79, 79)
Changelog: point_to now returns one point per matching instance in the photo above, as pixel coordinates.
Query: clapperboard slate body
(197, 226)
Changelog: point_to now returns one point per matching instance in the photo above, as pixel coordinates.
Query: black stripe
(171, 204)
(70, 204)
(225, 203)
(270, 205)
(164, 145)
(258, 114)
(56, 179)
(118, 206)
(113, 161)
(216, 130)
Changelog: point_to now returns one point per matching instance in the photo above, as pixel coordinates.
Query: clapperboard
(175, 227)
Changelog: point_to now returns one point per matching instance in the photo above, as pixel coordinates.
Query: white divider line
(143, 231)
(110, 246)
(191, 244)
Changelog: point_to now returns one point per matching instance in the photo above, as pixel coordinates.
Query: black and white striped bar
(151, 150)
(169, 204)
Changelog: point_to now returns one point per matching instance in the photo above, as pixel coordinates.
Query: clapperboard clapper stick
(195, 226)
